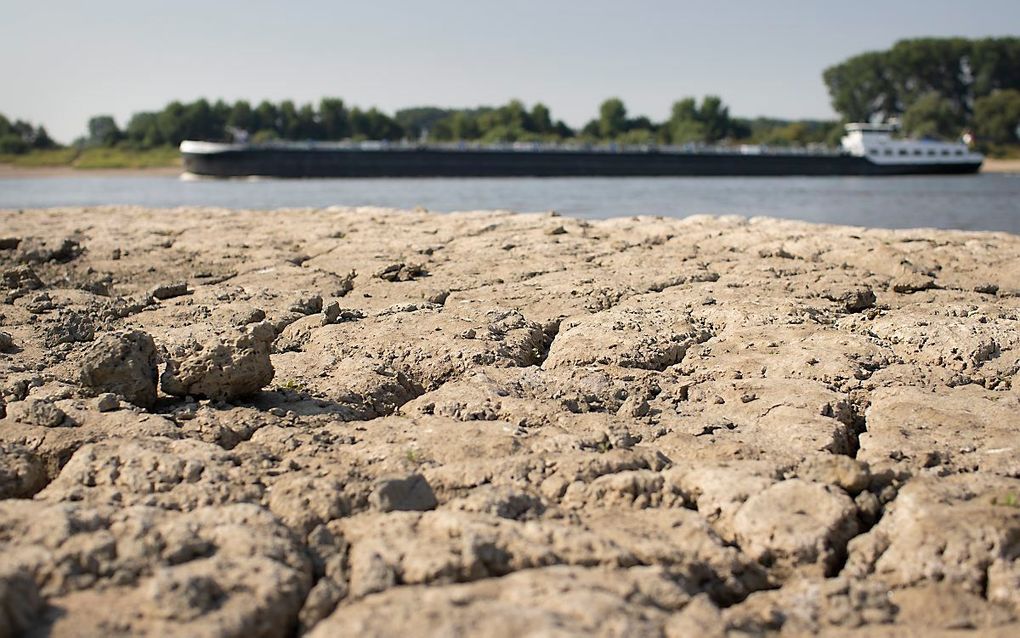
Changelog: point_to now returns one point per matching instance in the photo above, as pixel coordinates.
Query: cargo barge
(867, 149)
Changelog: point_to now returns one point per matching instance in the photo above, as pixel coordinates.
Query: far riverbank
(12, 171)
(1001, 166)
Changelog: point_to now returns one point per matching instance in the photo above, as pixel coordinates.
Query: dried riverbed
(374, 422)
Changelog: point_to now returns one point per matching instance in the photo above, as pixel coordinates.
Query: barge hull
(303, 163)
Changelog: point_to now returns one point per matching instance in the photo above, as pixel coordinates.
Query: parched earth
(371, 422)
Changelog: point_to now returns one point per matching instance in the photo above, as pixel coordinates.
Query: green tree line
(20, 136)
(331, 119)
(936, 87)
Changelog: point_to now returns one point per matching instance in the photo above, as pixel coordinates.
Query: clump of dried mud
(371, 422)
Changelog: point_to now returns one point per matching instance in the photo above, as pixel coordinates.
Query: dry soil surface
(372, 422)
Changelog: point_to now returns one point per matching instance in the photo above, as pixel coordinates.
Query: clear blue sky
(64, 60)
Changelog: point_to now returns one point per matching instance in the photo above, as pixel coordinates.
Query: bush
(13, 145)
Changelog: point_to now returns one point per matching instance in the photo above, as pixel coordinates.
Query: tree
(514, 116)
(267, 118)
(997, 117)
(103, 131)
(932, 115)
(309, 127)
(10, 140)
(690, 123)
(289, 125)
(42, 139)
(374, 125)
(463, 126)
(202, 121)
(923, 66)
(541, 120)
(638, 136)
(885, 84)
(12, 145)
(861, 88)
(170, 120)
(612, 118)
(994, 64)
(241, 117)
(421, 121)
(143, 130)
(715, 117)
(590, 130)
(687, 132)
(333, 117)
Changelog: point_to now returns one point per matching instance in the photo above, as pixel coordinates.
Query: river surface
(974, 202)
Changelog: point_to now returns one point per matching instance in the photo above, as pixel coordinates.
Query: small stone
(124, 364)
(913, 282)
(297, 258)
(38, 412)
(6, 342)
(339, 315)
(22, 474)
(851, 300)
(248, 316)
(401, 272)
(986, 288)
(635, 407)
(21, 278)
(107, 402)
(437, 296)
(220, 365)
(306, 305)
(9, 243)
(869, 508)
(40, 304)
(330, 313)
(169, 291)
(37, 251)
(558, 230)
(403, 494)
(851, 475)
(70, 327)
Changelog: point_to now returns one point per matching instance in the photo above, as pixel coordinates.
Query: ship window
(945, 151)
(873, 151)
(903, 151)
(888, 151)
(917, 151)
(931, 151)
(959, 152)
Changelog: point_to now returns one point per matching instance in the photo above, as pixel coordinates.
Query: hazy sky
(64, 60)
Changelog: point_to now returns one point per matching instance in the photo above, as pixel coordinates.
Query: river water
(974, 202)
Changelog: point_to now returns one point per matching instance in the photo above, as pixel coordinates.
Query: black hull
(281, 162)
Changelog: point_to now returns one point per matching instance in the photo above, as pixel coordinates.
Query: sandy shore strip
(376, 422)
(1001, 166)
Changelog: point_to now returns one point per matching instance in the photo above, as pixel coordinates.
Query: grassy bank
(1003, 151)
(96, 158)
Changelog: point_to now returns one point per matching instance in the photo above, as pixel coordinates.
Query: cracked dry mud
(372, 422)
